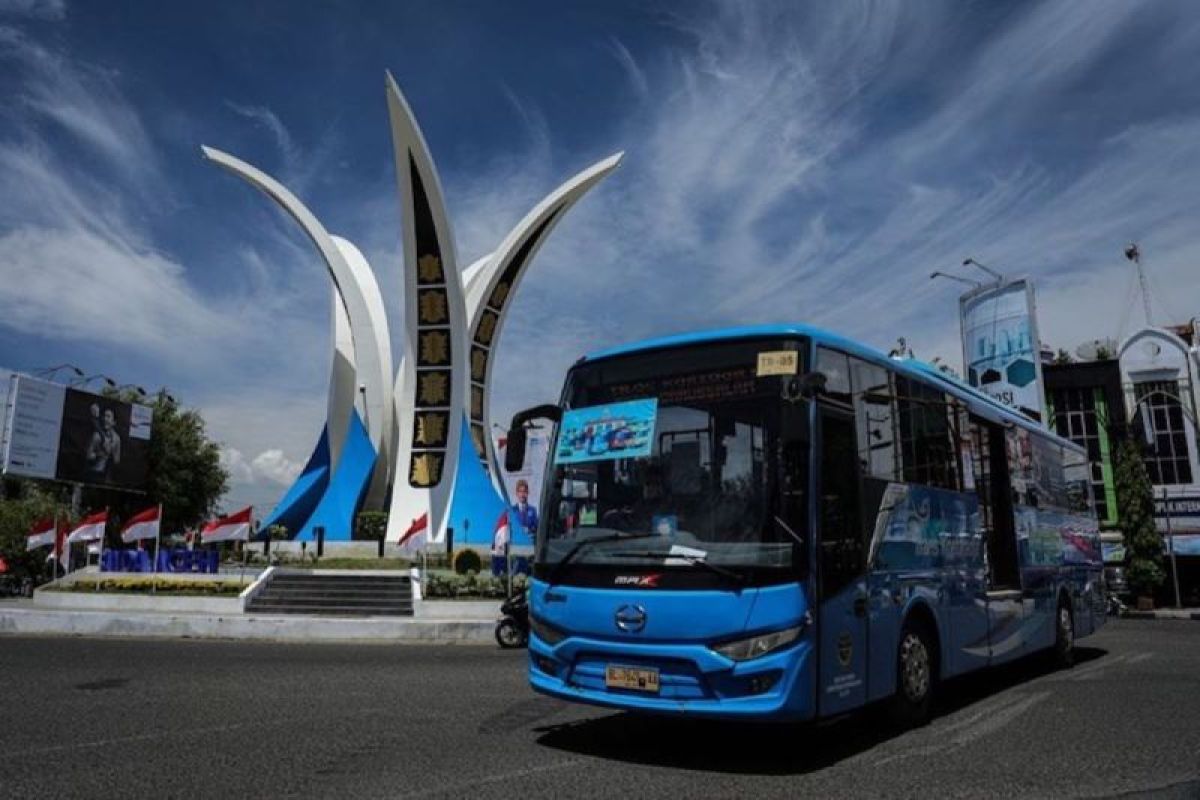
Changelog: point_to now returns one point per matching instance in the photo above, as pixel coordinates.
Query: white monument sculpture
(391, 440)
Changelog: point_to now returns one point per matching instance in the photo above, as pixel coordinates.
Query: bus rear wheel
(915, 676)
(1064, 637)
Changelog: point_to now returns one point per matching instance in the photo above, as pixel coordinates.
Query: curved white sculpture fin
(342, 380)
(472, 273)
(360, 292)
(490, 293)
(376, 497)
(430, 387)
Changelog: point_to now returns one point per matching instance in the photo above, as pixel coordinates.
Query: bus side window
(875, 420)
(836, 369)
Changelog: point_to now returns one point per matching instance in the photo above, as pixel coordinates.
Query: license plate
(639, 680)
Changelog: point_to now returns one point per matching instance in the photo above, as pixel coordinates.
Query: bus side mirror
(514, 450)
(807, 386)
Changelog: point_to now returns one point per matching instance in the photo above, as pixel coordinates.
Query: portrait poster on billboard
(60, 433)
(1001, 349)
(537, 451)
(99, 443)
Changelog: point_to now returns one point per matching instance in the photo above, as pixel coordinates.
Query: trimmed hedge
(448, 584)
(144, 586)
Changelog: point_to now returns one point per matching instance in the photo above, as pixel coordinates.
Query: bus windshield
(688, 458)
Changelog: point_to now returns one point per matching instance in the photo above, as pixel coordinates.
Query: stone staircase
(334, 594)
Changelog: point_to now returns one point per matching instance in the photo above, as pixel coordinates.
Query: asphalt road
(128, 718)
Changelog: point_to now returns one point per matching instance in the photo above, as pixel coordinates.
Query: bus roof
(979, 401)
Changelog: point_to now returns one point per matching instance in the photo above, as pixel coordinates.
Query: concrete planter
(457, 609)
(138, 602)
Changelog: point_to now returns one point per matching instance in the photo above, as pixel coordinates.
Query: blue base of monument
(476, 506)
(351, 476)
(302, 499)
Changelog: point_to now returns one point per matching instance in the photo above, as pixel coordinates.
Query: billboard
(1001, 350)
(537, 451)
(59, 433)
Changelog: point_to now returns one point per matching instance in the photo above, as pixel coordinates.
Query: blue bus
(778, 523)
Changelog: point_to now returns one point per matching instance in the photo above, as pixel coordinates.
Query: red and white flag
(42, 535)
(143, 525)
(416, 534)
(501, 535)
(90, 529)
(230, 528)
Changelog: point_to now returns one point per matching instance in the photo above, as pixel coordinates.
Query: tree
(27, 503)
(1063, 357)
(1135, 500)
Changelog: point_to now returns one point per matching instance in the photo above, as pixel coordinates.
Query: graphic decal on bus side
(918, 527)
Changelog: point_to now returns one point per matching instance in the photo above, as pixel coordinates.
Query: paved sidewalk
(468, 626)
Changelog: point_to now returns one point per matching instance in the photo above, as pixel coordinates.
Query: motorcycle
(512, 630)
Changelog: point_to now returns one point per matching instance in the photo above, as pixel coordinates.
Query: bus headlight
(547, 633)
(755, 646)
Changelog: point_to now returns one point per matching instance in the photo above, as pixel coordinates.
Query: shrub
(447, 584)
(371, 525)
(467, 561)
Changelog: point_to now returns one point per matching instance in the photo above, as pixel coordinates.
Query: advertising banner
(34, 427)
(537, 449)
(56, 432)
(1001, 350)
(1179, 514)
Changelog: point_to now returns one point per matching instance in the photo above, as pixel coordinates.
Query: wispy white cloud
(763, 184)
(36, 9)
(809, 163)
(81, 265)
(265, 117)
(633, 72)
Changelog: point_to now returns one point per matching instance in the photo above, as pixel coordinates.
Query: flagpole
(54, 546)
(100, 557)
(246, 545)
(157, 549)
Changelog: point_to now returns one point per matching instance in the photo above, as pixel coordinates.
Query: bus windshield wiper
(690, 559)
(616, 536)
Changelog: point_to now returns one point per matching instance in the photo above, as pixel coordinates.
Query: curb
(1165, 613)
(282, 628)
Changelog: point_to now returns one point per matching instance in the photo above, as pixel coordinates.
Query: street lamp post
(971, 262)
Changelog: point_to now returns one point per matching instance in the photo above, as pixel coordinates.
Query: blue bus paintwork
(974, 628)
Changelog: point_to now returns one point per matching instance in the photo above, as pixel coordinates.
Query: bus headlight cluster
(755, 646)
(547, 633)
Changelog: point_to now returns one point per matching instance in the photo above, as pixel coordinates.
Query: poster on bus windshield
(615, 430)
(1001, 350)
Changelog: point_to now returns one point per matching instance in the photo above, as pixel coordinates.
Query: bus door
(994, 484)
(841, 567)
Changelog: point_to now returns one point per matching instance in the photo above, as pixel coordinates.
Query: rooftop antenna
(1133, 254)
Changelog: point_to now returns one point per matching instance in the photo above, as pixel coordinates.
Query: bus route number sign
(778, 362)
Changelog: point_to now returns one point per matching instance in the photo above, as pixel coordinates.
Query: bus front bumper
(693, 679)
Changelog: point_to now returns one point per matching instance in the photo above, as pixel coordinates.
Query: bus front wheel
(915, 675)
(1064, 636)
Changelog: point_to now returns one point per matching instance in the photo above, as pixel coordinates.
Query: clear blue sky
(810, 161)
